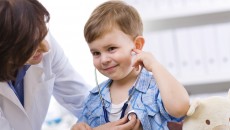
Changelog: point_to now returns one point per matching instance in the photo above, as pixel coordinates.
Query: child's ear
(139, 42)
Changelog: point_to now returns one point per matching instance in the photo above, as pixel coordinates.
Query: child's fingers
(137, 51)
(137, 62)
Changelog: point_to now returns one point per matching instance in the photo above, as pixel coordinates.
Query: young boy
(114, 36)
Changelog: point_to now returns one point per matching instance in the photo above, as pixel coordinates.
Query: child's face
(112, 54)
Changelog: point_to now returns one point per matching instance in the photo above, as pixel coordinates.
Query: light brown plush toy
(212, 113)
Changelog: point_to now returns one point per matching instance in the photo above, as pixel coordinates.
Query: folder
(223, 39)
(170, 60)
(152, 44)
(183, 51)
(210, 50)
(196, 48)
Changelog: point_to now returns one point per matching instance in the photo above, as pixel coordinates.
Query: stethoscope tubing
(125, 104)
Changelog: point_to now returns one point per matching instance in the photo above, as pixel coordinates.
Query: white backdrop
(67, 22)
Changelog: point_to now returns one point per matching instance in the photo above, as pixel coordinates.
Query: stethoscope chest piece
(131, 114)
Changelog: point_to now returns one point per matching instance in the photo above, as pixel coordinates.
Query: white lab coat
(54, 75)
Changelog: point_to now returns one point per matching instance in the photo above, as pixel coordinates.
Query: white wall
(67, 22)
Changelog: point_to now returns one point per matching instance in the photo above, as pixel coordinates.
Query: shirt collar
(104, 87)
(142, 84)
(144, 81)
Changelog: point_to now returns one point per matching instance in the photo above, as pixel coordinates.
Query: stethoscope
(124, 107)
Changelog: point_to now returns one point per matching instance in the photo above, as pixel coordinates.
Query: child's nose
(105, 59)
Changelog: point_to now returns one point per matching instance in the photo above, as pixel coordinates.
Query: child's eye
(95, 53)
(111, 48)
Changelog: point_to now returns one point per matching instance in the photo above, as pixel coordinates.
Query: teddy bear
(211, 113)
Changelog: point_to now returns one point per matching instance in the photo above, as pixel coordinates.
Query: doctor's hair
(22, 28)
(110, 15)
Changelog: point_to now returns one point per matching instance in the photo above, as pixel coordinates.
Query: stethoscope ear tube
(123, 110)
(105, 114)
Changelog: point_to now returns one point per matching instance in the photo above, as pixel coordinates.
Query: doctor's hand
(122, 124)
(81, 126)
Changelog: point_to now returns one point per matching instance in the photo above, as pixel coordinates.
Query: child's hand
(144, 59)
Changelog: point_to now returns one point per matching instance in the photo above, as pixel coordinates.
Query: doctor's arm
(70, 89)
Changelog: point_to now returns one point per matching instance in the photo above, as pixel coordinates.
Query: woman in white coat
(33, 67)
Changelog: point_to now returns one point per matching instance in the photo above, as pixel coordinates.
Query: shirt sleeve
(70, 89)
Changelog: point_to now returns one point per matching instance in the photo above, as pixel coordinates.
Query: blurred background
(191, 38)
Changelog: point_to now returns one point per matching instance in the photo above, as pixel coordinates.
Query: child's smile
(110, 69)
(112, 54)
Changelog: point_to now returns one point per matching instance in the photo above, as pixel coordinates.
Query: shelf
(162, 16)
(184, 11)
(190, 80)
(186, 21)
(208, 88)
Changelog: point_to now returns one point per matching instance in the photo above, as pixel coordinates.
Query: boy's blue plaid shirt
(146, 102)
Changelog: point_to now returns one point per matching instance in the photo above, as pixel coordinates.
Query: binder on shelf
(184, 54)
(168, 51)
(223, 39)
(196, 47)
(210, 49)
(152, 44)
